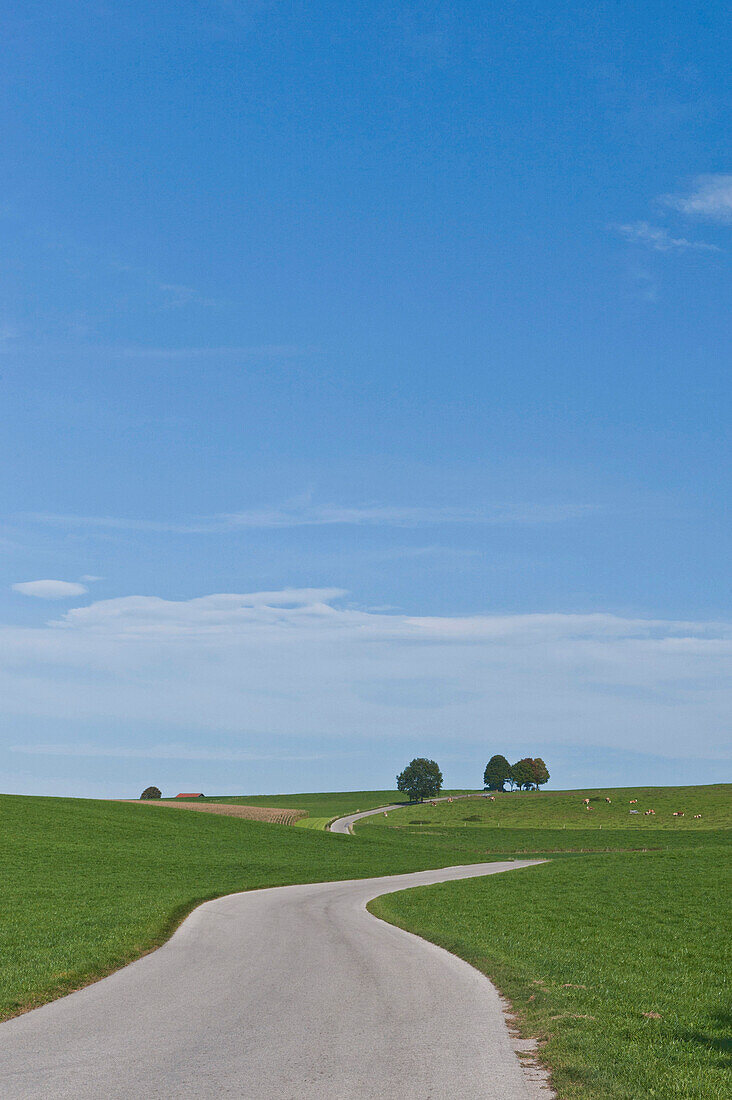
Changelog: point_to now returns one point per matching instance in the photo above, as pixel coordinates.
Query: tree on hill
(421, 779)
(151, 792)
(496, 773)
(541, 772)
(522, 773)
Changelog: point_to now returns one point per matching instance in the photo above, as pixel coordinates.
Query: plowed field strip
(271, 814)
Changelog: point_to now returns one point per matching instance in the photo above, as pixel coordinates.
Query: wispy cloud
(644, 284)
(660, 240)
(168, 752)
(235, 351)
(301, 663)
(710, 198)
(50, 590)
(400, 516)
(312, 515)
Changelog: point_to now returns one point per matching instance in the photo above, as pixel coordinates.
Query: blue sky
(366, 369)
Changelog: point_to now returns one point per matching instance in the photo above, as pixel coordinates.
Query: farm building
(197, 794)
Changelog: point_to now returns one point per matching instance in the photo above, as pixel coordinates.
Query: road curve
(291, 993)
(343, 824)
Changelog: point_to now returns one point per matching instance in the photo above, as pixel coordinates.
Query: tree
(151, 792)
(541, 772)
(421, 779)
(522, 773)
(496, 773)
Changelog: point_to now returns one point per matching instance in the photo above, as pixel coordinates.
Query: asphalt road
(343, 824)
(293, 993)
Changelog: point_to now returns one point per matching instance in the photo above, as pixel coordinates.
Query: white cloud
(50, 590)
(305, 514)
(90, 578)
(400, 516)
(710, 198)
(169, 751)
(225, 351)
(660, 240)
(242, 668)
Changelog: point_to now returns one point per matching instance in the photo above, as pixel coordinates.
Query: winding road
(293, 993)
(344, 824)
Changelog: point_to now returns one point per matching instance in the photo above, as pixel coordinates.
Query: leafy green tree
(421, 779)
(541, 772)
(496, 773)
(522, 773)
(151, 792)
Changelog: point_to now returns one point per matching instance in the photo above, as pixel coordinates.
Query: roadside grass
(482, 842)
(313, 822)
(88, 885)
(631, 916)
(621, 962)
(565, 809)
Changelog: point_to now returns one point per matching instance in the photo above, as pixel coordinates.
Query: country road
(343, 824)
(291, 993)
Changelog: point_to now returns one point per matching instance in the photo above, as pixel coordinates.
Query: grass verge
(620, 963)
(87, 886)
(622, 922)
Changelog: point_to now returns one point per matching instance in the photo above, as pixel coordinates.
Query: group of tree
(422, 778)
(524, 774)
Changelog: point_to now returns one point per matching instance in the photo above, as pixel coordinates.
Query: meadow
(323, 806)
(566, 810)
(633, 915)
(620, 960)
(89, 885)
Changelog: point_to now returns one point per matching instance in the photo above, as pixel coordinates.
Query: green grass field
(324, 806)
(619, 961)
(319, 823)
(88, 885)
(565, 809)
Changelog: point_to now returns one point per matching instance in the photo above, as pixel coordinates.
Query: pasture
(89, 885)
(620, 963)
(325, 806)
(608, 809)
(614, 952)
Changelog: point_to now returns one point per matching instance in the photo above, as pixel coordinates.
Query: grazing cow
(586, 801)
(385, 814)
(449, 800)
(633, 801)
(608, 799)
(678, 813)
(697, 816)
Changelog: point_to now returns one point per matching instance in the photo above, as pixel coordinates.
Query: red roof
(196, 794)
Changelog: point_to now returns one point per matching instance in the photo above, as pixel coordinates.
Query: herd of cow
(646, 813)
